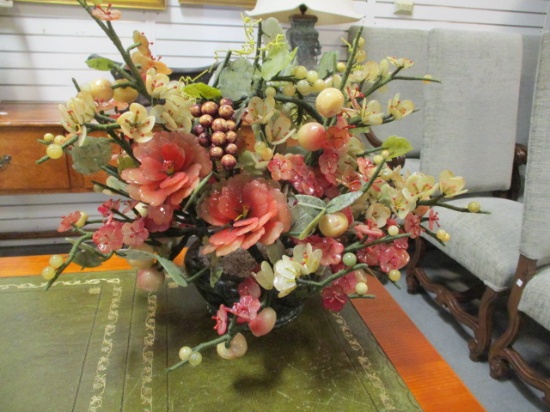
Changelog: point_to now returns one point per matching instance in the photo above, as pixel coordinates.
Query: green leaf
(277, 59)
(202, 90)
(271, 29)
(235, 79)
(301, 218)
(343, 201)
(397, 146)
(87, 259)
(275, 251)
(327, 64)
(94, 153)
(311, 201)
(174, 271)
(100, 63)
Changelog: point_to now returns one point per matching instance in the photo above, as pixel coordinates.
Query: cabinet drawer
(21, 173)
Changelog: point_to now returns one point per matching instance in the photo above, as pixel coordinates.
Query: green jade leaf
(340, 202)
(100, 63)
(202, 90)
(235, 79)
(87, 259)
(397, 146)
(327, 63)
(277, 59)
(94, 153)
(173, 270)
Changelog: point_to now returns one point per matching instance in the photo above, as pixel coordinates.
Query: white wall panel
(42, 46)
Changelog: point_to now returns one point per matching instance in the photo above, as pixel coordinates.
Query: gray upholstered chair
(470, 128)
(380, 43)
(530, 295)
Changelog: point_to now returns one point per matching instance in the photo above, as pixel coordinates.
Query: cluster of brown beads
(216, 130)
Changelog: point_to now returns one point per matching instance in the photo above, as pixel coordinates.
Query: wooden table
(430, 379)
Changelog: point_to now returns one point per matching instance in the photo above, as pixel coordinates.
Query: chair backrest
(535, 240)
(410, 43)
(531, 50)
(470, 120)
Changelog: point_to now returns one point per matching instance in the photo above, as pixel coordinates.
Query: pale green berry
(304, 87)
(377, 159)
(185, 352)
(312, 76)
(393, 230)
(48, 272)
(270, 91)
(394, 275)
(56, 261)
(48, 137)
(361, 288)
(341, 67)
(300, 72)
(195, 359)
(349, 259)
(289, 89)
(474, 207)
(54, 151)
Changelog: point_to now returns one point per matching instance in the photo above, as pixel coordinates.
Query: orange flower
(172, 165)
(254, 210)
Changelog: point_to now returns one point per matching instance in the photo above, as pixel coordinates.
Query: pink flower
(433, 219)
(221, 320)
(294, 169)
(392, 257)
(159, 218)
(106, 14)
(254, 210)
(369, 255)
(347, 282)
(334, 298)
(246, 308)
(412, 225)
(172, 165)
(108, 238)
(68, 221)
(134, 233)
(249, 287)
(106, 209)
(332, 249)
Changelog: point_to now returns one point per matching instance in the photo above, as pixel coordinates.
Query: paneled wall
(43, 46)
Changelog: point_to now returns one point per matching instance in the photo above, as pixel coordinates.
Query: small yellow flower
(399, 109)
(286, 271)
(136, 124)
(451, 185)
(419, 186)
(371, 113)
(402, 62)
(260, 111)
(378, 213)
(307, 257)
(79, 110)
(265, 276)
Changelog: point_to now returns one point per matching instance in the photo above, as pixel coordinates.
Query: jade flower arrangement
(267, 159)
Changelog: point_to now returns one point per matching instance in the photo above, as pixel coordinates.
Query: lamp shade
(326, 11)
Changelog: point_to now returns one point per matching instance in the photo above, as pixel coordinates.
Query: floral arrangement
(317, 209)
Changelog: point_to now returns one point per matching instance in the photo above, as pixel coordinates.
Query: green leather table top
(94, 343)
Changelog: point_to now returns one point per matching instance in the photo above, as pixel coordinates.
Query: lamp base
(302, 35)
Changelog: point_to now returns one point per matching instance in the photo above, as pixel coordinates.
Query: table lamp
(302, 15)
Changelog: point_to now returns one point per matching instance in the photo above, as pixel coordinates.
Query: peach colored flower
(254, 210)
(172, 165)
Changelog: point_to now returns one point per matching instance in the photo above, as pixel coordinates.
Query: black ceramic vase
(225, 290)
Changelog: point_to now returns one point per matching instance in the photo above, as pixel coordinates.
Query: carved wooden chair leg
(480, 343)
(413, 285)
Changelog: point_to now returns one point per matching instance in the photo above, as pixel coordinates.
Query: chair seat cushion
(476, 238)
(535, 300)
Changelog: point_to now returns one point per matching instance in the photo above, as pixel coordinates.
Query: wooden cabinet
(21, 125)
